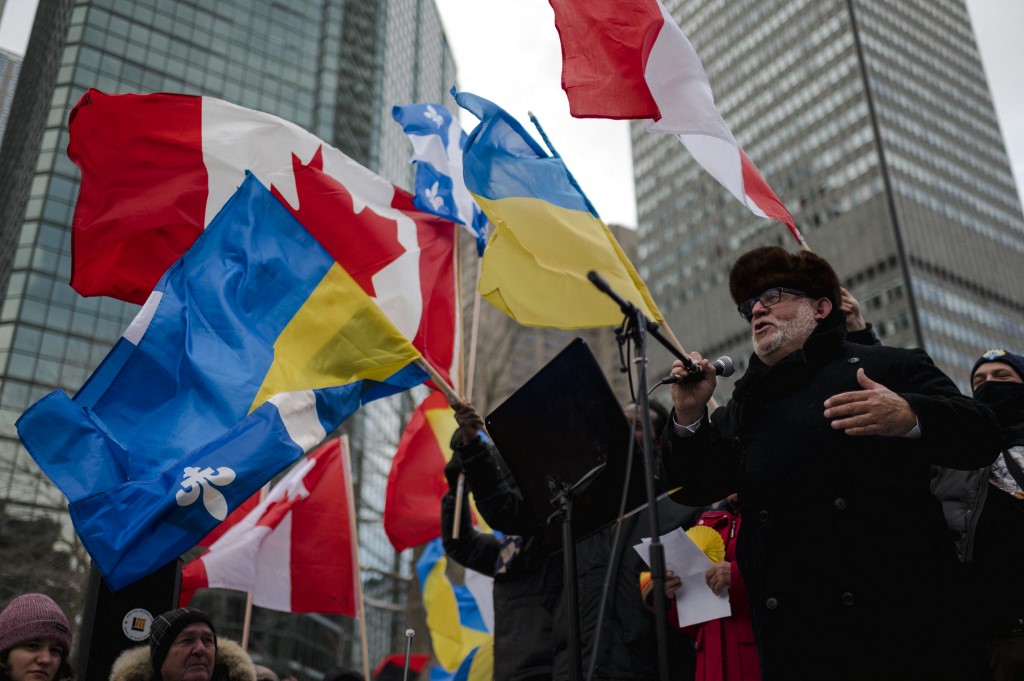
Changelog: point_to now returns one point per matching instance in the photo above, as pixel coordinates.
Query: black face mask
(1005, 398)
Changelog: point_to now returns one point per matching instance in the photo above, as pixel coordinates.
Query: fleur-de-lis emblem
(204, 482)
(432, 115)
(436, 202)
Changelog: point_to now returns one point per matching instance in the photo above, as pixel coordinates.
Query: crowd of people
(881, 510)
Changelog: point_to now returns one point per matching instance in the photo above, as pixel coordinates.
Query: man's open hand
(875, 410)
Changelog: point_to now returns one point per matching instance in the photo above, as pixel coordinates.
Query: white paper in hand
(695, 601)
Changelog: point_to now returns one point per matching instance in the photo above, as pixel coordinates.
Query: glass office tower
(874, 124)
(333, 67)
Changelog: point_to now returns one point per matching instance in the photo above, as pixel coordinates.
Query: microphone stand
(563, 495)
(636, 326)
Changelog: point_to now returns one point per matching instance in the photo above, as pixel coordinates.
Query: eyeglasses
(767, 299)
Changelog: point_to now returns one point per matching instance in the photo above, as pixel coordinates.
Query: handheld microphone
(723, 366)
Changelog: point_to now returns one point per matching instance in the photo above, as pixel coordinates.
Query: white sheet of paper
(695, 601)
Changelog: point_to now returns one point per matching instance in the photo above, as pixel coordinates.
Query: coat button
(762, 516)
(840, 504)
(847, 598)
(853, 360)
(771, 603)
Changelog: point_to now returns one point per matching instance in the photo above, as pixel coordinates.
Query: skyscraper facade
(10, 67)
(873, 123)
(333, 67)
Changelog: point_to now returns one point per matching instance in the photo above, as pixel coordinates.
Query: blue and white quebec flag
(437, 143)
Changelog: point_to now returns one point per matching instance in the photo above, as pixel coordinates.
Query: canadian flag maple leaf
(361, 241)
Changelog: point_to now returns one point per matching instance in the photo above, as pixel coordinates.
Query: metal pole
(555, 154)
(409, 633)
(890, 196)
(657, 550)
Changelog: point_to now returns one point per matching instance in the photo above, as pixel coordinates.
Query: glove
(470, 422)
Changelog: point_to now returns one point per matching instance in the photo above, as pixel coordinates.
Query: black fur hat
(768, 266)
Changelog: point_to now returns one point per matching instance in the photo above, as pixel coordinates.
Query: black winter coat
(843, 548)
(525, 596)
(627, 648)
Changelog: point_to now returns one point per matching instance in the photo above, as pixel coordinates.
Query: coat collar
(134, 664)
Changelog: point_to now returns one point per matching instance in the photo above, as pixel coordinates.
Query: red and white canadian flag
(157, 168)
(295, 551)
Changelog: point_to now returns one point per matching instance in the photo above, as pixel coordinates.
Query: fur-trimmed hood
(232, 664)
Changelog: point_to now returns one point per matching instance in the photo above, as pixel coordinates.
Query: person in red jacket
(725, 647)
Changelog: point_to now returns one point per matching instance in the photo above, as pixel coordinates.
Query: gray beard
(793, 331)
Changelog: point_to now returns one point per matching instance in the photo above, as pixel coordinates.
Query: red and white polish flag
(295, 551)
(629, 59)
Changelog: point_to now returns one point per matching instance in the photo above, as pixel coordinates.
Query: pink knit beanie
(32, 616)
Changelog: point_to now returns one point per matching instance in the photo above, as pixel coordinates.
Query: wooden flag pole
(460, 488)
(357, 575)
(247, 622)
(438, 380)
(475, 328)
(452, 399)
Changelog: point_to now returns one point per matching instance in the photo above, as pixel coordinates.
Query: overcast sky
(508, 51)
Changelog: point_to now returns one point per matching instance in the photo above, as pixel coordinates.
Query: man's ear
(822, 308)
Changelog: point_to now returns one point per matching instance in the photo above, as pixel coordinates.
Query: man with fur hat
(829, 445)
(183, 646)
(985, 512)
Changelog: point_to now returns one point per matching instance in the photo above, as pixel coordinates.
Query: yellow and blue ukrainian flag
(252, 348)
(546, 237)
(459, 636)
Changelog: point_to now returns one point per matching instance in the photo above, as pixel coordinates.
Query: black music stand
(565, 439)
